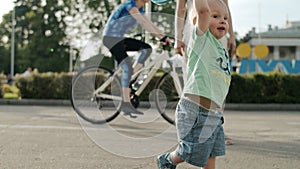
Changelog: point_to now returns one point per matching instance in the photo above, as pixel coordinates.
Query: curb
(263, 107)
(50, 102)
(228, 106)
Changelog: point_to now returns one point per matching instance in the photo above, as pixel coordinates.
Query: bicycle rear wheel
(166, 97)
(92, 105)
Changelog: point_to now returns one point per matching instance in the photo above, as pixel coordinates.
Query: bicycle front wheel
(166, 97)
(96, 94)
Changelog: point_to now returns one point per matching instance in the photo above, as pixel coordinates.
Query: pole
(147, 35)
(71, 59)
(148, 13)
(12, 49)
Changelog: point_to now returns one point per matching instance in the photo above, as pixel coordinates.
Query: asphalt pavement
(52, 136)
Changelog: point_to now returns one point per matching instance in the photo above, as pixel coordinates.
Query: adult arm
(179, 26)
(146, 23)
(231, 44)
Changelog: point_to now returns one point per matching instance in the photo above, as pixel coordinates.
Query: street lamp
(148, 12)
(12, 49)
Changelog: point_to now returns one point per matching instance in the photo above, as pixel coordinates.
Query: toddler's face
(218, 25)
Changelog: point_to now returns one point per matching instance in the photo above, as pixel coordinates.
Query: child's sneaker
(163, 163)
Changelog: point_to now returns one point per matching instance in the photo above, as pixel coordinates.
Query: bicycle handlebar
(166, 43)
(165, 46)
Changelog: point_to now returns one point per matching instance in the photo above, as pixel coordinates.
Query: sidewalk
(228, 106)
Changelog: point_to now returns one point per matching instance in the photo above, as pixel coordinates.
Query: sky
(261, 13)
(5, 7)
(245, 13)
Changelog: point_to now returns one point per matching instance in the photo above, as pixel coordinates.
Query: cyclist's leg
(118, 50)
(119, 46)
(127, 69)
(126, 107)
(137, 45)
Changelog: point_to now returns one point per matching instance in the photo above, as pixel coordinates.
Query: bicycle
(99, 87)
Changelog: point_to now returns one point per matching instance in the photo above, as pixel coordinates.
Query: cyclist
(127, 15)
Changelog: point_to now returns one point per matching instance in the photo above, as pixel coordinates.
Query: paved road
(52, 137)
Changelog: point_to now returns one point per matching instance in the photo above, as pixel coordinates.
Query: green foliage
(264, 88)
(2, 81)
(40, 38)
(45, 86)
(255, 88)
(4, 60)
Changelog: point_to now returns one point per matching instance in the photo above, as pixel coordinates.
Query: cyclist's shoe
(163, 163)
(128, 109)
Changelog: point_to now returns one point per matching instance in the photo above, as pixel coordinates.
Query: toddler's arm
(203, 14)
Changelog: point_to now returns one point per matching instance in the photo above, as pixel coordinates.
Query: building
(283, 43)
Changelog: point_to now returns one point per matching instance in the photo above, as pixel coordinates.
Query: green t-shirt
(208, 70)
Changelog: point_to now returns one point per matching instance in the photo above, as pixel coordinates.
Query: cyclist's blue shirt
(120, 21)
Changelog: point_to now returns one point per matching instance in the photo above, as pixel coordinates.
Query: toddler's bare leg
(210, 163)
(175, 159)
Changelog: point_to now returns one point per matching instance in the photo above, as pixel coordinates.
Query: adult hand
(231, 44)
(179, 47)
(166, 42)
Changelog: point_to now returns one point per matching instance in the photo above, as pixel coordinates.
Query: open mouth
(221, 28)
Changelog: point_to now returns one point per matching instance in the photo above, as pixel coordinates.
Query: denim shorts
(200, 133)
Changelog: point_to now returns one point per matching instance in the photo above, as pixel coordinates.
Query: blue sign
(263, 66)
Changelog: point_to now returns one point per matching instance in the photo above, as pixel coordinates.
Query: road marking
(43, 127)
(293, 123)
(39, 127)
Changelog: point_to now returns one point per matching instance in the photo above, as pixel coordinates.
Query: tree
(39, 35)
(4, 43)
(45, 30)
(4, 60)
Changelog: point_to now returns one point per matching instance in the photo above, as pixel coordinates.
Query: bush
(45, 86)
(253, 88)
(264, 88)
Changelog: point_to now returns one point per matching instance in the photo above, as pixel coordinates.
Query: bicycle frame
(153, 66)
